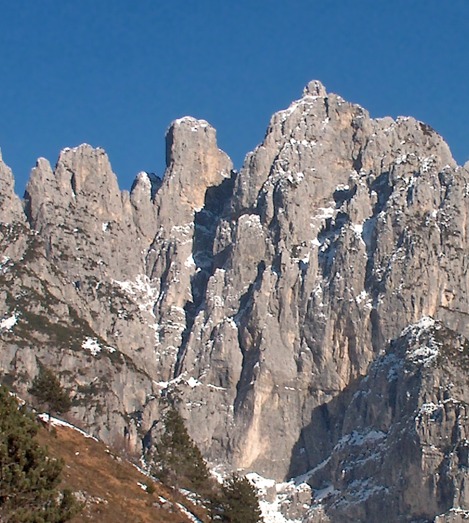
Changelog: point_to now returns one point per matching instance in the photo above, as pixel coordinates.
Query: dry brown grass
(109, 484)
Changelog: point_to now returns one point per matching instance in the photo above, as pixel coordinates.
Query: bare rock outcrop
(260, 302)
(80, 201)
(11, 209)
(339, 233)
(402, 442)
(93, 252)
(179, 258)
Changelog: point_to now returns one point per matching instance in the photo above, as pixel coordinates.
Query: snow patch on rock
(8, 323)
(92, 345)
(141, 292)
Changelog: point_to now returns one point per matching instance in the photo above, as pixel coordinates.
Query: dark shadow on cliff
(206, 222)
(318, 438)
(250, 349)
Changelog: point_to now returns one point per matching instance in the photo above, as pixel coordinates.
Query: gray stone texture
(263, 300)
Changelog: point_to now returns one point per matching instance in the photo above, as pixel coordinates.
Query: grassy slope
(110, 484)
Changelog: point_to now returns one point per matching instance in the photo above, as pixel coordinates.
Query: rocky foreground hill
(310, 313)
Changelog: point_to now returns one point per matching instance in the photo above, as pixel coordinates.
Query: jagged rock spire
(11, 209)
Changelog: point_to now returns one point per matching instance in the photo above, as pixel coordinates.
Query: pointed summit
(315, 88)
(11, 209)
(194, 162)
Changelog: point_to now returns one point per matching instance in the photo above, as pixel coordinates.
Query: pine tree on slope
(28, 477)
(49, 392)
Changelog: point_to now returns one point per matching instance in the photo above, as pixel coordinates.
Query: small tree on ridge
(49, 392)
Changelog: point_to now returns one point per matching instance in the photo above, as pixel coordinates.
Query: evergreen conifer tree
(179, 461)
(28, 477)
(49, 392)
(237, 502)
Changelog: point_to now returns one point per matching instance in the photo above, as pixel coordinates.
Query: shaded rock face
(339, 233)
(87, 267)
(402, 442)
(258, 299)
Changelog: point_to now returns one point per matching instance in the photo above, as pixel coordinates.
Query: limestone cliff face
(179, 257)
(259, 299)
(92, 234)
(10, 205)
(13, 226)
(340, 233)
(86, 220)
(402, 439)
(113, 269)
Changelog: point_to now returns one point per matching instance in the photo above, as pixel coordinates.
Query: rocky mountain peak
(194, 161)
(145, 186)
(273, 304)
(10, 206)
(82, 178)
(314, 88)
(88, 172)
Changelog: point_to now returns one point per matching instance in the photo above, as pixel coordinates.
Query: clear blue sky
(115, 73)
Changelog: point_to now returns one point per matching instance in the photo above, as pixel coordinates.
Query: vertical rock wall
(256, 297)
